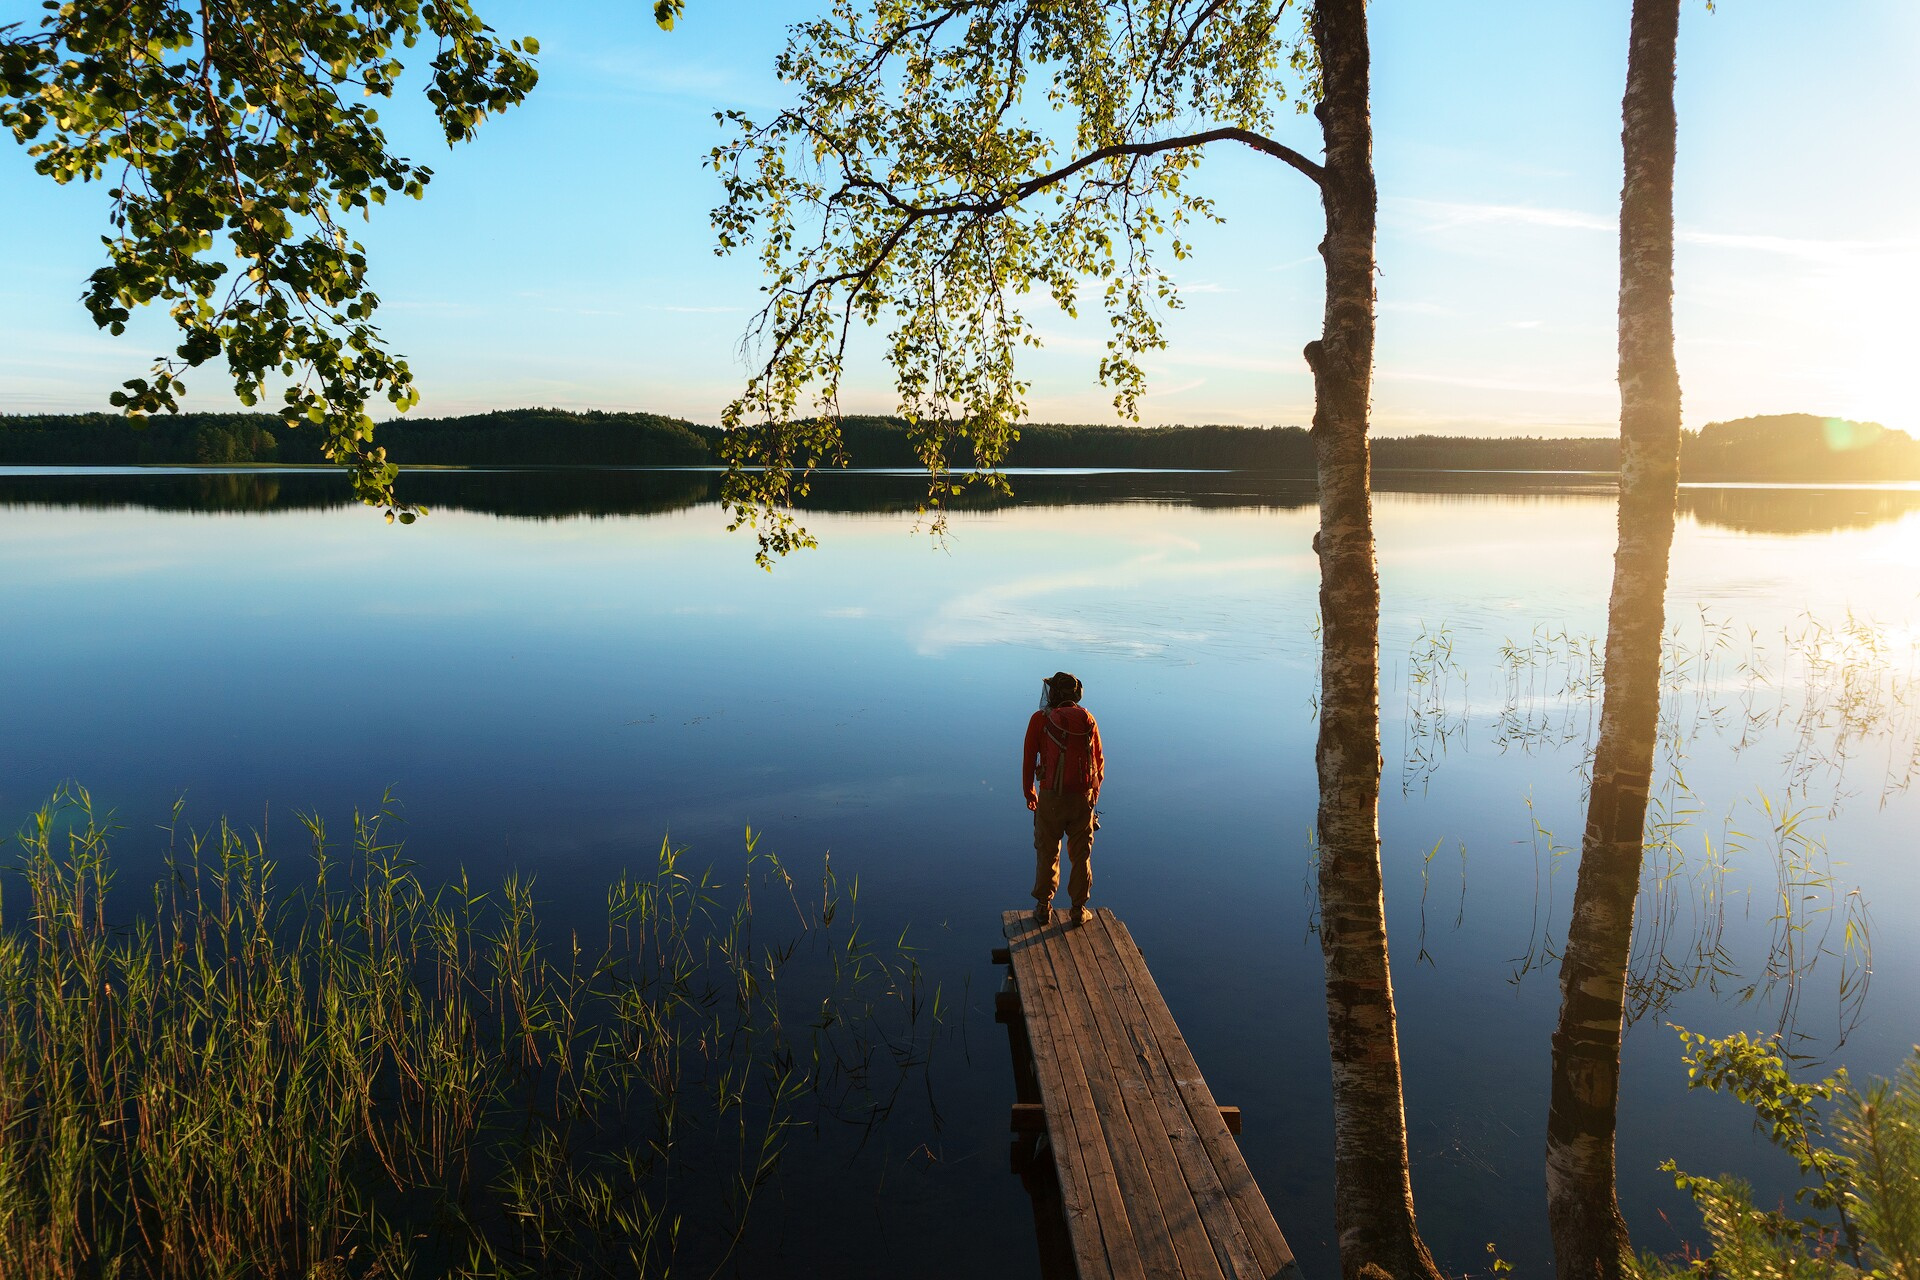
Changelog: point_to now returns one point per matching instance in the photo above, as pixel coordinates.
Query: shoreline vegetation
(346, 1070)
(1797, 447)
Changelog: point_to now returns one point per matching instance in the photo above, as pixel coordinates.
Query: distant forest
(1779, 447)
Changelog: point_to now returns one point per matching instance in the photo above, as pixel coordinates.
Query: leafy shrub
(1860, 1161)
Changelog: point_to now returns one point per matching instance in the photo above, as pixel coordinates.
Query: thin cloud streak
(1495, 384)
(1445, 215)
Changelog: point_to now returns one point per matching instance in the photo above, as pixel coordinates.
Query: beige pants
(1068, 814)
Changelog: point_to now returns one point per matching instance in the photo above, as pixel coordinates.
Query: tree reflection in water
(549, 493)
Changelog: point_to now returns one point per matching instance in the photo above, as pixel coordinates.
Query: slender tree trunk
(1373, 1194)
(1589, 1235)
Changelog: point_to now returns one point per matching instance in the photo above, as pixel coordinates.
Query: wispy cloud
(1191, 356)
(1447, 215)
(643, 70)
(1495, 384)
(1443, 215)
(1820, 251)
(1038, 609)
(440, 307)
(1417, 309)
(1304, 259)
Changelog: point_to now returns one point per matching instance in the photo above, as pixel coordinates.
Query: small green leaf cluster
(1863, 1194)
(943, 161)
(236, 139)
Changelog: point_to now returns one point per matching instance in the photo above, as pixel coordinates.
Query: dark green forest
(1779, 447)
(515, 437)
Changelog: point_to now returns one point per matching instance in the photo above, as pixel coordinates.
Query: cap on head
(1062, 688)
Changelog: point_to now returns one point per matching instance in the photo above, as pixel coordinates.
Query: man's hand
(1033, 799)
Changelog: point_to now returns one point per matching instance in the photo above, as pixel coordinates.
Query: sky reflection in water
(556, 694)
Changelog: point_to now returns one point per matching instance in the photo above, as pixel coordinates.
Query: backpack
(1073, 755)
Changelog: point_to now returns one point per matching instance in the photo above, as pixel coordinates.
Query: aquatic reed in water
(360, 1075)
(1834, 709)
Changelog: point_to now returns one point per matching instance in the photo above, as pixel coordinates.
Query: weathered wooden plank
(1141, 1192)
(1270, 1247)
(1114, 1028)
(1031, 1117)
(1232, 1248)
(1103, 1238)
(1151, 1183)
(1076, 1195)
(1130, 1244)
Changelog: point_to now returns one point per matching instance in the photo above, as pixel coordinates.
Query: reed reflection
(1818, 717)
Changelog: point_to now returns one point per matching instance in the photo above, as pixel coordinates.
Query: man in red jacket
(1062, 754)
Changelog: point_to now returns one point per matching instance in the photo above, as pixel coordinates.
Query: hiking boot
(1043, 914)
(1081, 915)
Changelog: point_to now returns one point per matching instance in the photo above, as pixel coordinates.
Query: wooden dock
(1149, 1179)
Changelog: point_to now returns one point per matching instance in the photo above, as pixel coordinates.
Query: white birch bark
(1373, 1191)
(1589, 1235)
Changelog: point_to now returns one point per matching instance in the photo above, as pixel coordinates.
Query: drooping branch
(909, 180)
(1044, 181)
(975, 211)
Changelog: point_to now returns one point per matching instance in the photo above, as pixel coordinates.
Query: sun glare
(1884, 382)
(1900, 550)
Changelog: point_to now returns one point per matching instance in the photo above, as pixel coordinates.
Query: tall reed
(1833, 701)
(353, 1074)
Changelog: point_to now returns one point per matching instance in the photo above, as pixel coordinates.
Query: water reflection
(560, 493)
(537, 494)
(552, 694)
(1822, 715)
(1795, 510)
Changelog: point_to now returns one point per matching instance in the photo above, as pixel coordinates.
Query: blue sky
(564, 258)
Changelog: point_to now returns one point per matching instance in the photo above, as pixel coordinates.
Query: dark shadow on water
(559, 493)
(536, 494)
(555, 493)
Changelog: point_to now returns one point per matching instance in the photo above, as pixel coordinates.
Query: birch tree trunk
(1373, 1194)
(1589, 1235)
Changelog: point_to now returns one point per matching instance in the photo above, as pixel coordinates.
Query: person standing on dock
(1062, 752)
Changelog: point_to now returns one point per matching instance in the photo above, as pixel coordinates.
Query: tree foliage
(1862, 1192)
(944, 162)
(240, 140)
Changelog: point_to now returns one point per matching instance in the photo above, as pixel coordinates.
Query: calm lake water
(556, 670)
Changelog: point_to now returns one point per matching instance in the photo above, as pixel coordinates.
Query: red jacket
(1071, 731)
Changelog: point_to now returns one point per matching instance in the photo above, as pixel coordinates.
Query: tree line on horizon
(1791, 446)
